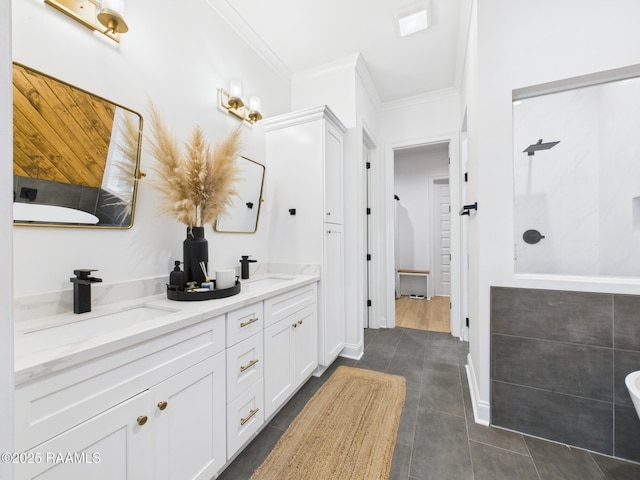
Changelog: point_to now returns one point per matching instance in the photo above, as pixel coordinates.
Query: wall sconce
(104, 16)
(231, 101)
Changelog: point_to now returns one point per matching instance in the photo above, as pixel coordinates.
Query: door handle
(466, 209)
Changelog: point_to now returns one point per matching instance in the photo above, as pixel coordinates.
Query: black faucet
(82, 289)
(244, 266)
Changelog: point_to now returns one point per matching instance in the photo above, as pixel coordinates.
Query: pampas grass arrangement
(198, 182)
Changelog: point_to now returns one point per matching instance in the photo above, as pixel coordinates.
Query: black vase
(195, 249)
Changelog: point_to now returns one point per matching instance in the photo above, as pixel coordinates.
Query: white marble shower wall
(579, 194)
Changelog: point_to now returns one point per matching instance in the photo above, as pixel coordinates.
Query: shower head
(532, 149)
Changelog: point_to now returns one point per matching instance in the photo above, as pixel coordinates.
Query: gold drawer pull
(142, 419)
(162, 405)
(248, 365)
(248, 417)
(249, 322)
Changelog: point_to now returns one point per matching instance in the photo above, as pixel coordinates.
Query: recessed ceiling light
(412, 19)
(413, 23)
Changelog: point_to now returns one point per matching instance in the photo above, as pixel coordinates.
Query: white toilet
(633, 385)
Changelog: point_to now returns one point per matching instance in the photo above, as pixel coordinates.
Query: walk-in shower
(577, 192)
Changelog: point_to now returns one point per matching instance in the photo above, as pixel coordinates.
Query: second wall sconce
(106, 16)
(231, 101)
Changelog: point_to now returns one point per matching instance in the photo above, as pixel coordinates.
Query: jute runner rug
(347, 431)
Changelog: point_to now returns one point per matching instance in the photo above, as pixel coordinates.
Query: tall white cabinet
(305, 152)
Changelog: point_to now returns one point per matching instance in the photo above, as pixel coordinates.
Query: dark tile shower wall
(558, 363)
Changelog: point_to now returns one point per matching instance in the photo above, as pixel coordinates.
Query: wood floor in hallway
(431, 315)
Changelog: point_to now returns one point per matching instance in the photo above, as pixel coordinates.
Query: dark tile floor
(438, 438)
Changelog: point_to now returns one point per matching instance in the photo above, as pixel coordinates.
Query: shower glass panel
(577, 179)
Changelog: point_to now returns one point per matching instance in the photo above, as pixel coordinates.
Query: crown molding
(303, 116)
(244, 31)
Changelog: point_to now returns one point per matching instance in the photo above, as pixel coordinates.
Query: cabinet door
(305, 341)
(332, 323)
(189, 412)
(333, 175)
(110, 446)
(278, 361)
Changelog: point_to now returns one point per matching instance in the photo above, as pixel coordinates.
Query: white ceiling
(297, 35)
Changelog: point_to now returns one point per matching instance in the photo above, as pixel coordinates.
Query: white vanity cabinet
(305, 153)
(290, 344)
(172, 403)
(152, 411)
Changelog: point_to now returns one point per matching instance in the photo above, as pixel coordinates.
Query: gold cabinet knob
(299, 322)
(142, 419)
(294, 325)
(162, 405)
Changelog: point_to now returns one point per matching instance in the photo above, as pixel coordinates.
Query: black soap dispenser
(176, 278)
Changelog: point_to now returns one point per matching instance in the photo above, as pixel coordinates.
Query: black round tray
(209, 295)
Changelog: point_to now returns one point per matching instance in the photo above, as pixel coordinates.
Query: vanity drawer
(52, 404)
(282, 306)
(244, 322)
(245, 365)
(245, 416)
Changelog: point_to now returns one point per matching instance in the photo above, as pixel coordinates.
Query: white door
(464, 248)
(442, 237)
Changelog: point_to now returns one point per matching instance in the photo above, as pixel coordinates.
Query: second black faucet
(244, 266)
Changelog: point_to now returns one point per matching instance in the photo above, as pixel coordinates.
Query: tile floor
(437, 438)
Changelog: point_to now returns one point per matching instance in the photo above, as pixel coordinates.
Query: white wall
(521, 43)
(175, 54)
(414, 171)
(6, 230)
(332, 85)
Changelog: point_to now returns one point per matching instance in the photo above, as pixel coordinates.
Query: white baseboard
(353, 351)
(481, 410)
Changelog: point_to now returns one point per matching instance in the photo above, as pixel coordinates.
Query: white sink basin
(633, 385)
(267, 281)
(81, 327)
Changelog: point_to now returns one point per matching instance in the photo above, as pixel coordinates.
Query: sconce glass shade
(235, 94)
(255, 105)
(111, 15)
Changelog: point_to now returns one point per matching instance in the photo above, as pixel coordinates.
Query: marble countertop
(51, 343)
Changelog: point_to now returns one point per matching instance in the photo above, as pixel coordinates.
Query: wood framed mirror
(76, 157)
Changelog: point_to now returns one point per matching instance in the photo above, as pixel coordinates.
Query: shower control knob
(532, 237)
